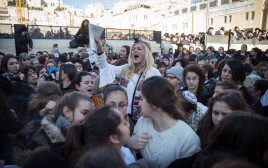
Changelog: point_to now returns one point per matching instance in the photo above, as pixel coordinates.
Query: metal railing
(7, 31)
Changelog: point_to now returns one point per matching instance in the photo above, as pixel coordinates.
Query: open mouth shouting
(136, 57)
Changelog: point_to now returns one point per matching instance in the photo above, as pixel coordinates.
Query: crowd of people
(237, 33)
(190, 108)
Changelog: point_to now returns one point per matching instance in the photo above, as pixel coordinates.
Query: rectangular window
(252, 15)
(225, 19)
(193, 8)
(177, 12)
(202, 6)
(184, 10)
(247, 16)
(186, 25)
(211, 21)
(230, 18)
(223, 2)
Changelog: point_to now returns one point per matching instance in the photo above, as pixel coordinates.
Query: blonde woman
(132, 75)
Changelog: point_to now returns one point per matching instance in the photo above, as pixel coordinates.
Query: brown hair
(71, 101)
(200, 73)
(82, 27)
(45, 92)
(70, 70)
(233, 99)
(159, 92)
(236, 134)
(95, 132)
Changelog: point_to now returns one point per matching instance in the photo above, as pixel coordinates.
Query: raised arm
(108, 72)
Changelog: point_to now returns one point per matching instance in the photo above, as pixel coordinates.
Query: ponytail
(173, 112)
(74, 141)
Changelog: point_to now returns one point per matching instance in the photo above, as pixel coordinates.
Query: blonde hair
(129, 70)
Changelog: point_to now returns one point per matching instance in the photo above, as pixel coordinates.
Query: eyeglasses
(171, 77)
(24, 59)
(192, 79)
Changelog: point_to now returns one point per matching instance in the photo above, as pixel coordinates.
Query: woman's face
(86, 23)
(220, 50)
(197, 50)
(226, 74)
(80, 112)
(118, 100)
(78, 66)
(219, 111)
(192, 80)
(166, 61)
(138, 53)
(93, 75)
(209, 51)
(13, 65)
(218, 90)
(42, 71)
(162, 69)
(253, 53)
(124, 129)
(262, 70)
(37, 55)
(32, 77)
(26, 61)
(145, 107)
(35, 63)
(123, 52)
(86, 86)
(174, 80)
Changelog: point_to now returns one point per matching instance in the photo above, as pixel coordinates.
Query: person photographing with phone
(23, 41)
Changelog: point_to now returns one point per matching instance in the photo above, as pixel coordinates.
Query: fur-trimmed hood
(35, 134)
(52, 131)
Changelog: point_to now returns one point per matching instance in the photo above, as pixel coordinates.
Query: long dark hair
(70, 70)
(82, 27)
(233, 99)
(71, 101)
(159, 92)
(200, 73)
(238, 132)
(5, 61)
(238, 71)
(98, 126)
(101, 157)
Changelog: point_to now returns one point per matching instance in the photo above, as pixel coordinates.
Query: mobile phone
(55, 45)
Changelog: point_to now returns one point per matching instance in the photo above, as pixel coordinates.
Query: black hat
(210, 28)
(236, 27)
(257, 29)
(165, 56)
(222, 28)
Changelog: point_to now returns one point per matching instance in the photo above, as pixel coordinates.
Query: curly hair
(200, 73)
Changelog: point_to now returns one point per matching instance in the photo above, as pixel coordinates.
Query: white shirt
(179, 141)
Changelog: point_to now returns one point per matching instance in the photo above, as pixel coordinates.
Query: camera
(18, 77)
(51, 76)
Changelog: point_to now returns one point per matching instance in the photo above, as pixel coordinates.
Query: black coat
(38, 133)
(22, 43)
